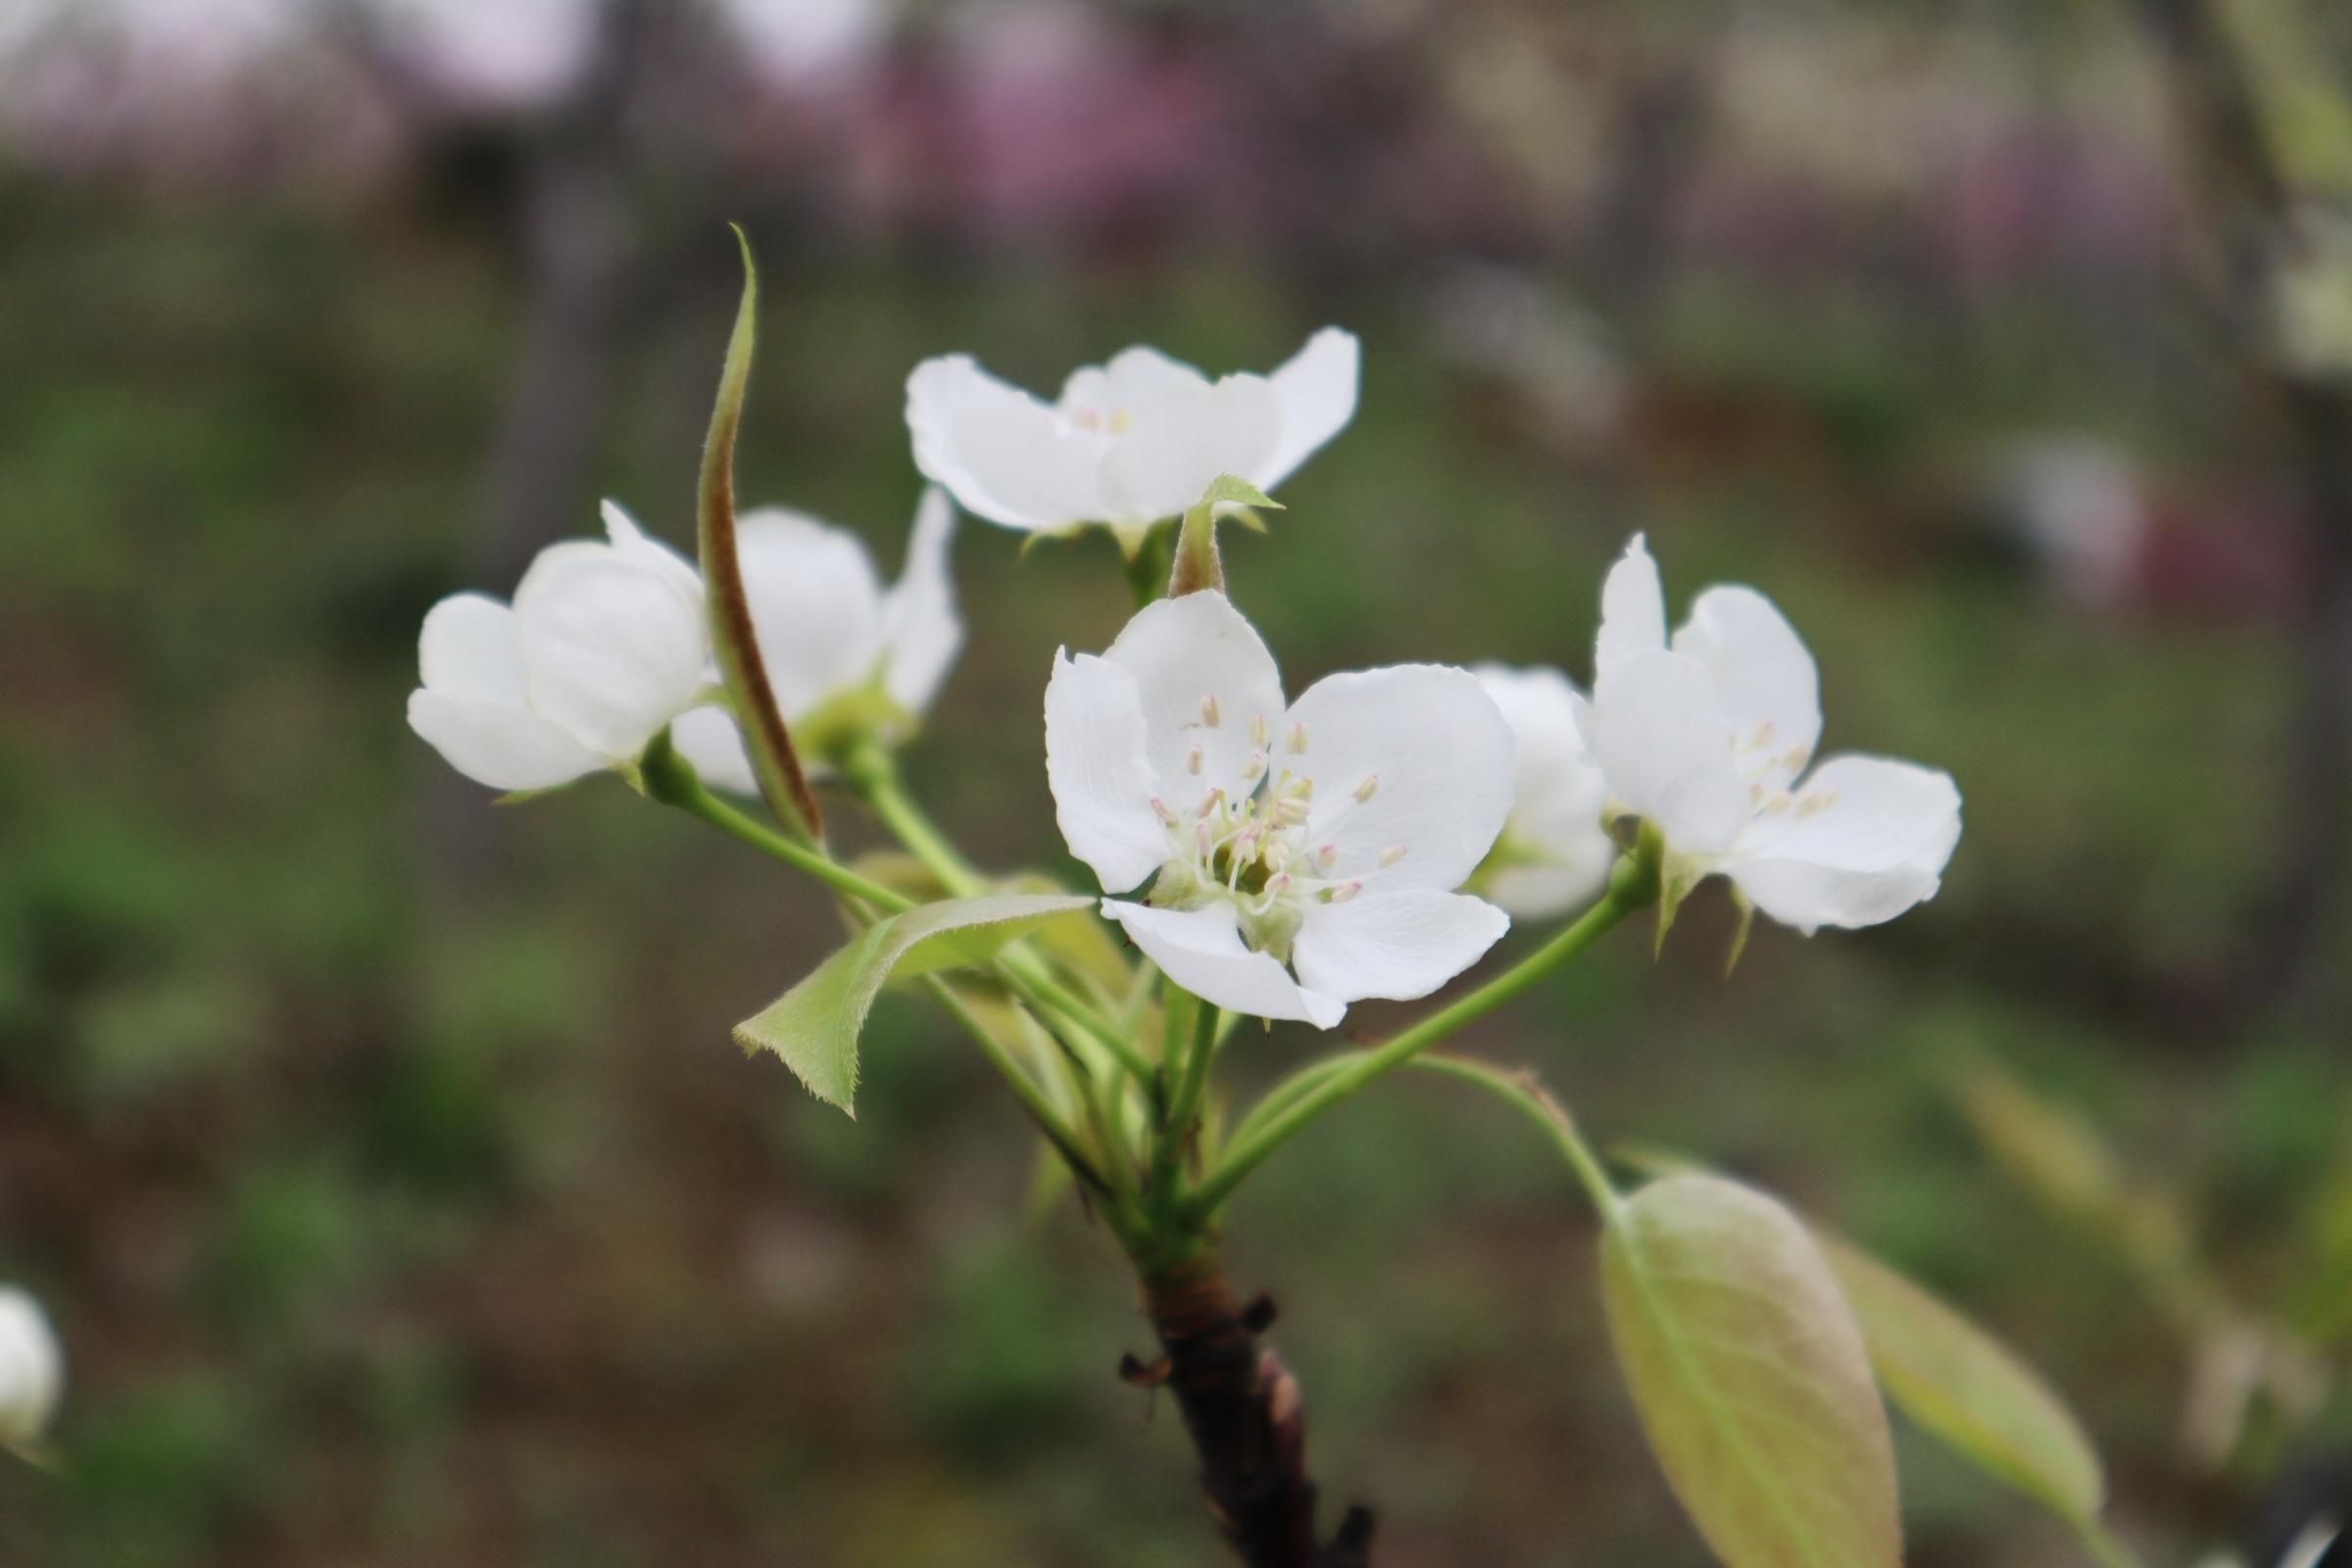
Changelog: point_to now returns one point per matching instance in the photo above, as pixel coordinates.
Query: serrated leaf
(814, 1026)
(782, 783)
(1751, 1378)
(1966, 1387)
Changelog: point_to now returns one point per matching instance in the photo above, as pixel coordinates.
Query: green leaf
(782, 783)
(814, 1026)
(1751, 1378)
(1958, 1381)
(2063, 1162)
(1966, 1387)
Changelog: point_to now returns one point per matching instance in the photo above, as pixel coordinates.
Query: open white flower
(33, 1369)
(1555, 851)
(1708, 738)
(1327, 835)
(1130, 442)
(845, 657)
(604, 645)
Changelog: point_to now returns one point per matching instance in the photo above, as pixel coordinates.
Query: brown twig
(1247, 1422)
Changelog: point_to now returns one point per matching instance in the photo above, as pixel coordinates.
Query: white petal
(1098, 772)
(1438, 755)
(612, 651)
(1665, 749)
(1181, 652)
(1632, 610)
(469, 650)
(816, 605)
(1874, 845)
(706, 737)
(1316, 389)
(32, 1368)
(921, 632)
(1001, 454)
(1567, 878)
(1179, 438)
(1395, 945)
(1201, 950)
(504, 746)
(640, 549)
(1558, 853)
(1764, 678)
(1134, 378)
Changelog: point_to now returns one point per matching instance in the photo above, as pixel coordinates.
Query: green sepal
(1739, 932)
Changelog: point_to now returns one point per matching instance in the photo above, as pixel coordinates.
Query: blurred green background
(381, 1153)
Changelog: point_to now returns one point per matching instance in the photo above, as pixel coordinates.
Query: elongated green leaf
(1954, 1379)
(1751, 1378)
(781, 782)
(814, 1026)
(1965, 1387)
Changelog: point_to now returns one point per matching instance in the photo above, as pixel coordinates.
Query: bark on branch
(1247, 1423)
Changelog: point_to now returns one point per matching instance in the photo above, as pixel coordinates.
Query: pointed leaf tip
(782, 782)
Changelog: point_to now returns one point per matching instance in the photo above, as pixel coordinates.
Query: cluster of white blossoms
(1299, 856)
(606, 645)
(33, 1369)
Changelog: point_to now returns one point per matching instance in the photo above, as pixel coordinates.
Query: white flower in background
(1555, 851)
(845, 657)
(602, 646)
(1130, 442)
(1327, 835)
(33, 1369)
(1708, 738)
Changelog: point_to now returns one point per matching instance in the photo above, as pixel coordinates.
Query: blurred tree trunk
(2252, 208)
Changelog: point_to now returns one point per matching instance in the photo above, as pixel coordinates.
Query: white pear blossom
(1130, 442)
(1304, 855)
(33, 1369)
(604, 645)
(1555, 851)
(845, 656)
(1710, 739)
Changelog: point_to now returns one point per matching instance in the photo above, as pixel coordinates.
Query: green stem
(670, 779)
(1148, 567)
(1522, 1089)
(1184, 1105)
(1024, 1086)
(1633, 886)
(875, 776)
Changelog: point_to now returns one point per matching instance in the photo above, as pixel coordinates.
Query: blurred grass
(404, 1202)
